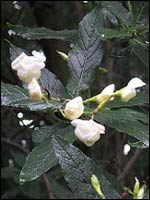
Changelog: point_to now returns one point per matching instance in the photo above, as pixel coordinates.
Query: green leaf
(106, 33)
(15, 51)
(78, 168)
(43, 33)
(86, 54)
(126, 121)
(140, 51)
(39, 134)
(42, 157)
(53, 85)
(118, 10)
(140, 99)
(138, 144)
(15, 96)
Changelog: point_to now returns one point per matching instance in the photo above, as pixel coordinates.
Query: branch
(129, 164)
(45, 177)
(47, 183)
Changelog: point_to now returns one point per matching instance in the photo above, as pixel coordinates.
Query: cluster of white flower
(88, 131)
(29, 70)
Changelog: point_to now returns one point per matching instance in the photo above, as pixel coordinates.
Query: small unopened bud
(136, 186)
(74, 108)
(63, 55)
(35, 90)
(96, 185)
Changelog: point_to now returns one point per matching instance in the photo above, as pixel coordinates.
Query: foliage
(52, 149)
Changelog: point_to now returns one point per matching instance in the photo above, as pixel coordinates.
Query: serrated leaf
(140, 99)
(78, 168)
(39, 134)
(42, 157)
(53, 85)
(86, 54)
(140, 51)
(15, 96)
(106, 33)
(15, 51)
(43, 33)
(118, 10)
(126, 121)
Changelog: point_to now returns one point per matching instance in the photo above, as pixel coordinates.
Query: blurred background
(118, 66)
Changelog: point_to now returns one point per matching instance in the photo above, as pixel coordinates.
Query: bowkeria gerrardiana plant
(88, 131)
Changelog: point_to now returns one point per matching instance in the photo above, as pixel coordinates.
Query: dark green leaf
(118, 10)
(78, 168)
(86, 54)
(43, 33)
(13, 95)
(140, 99)
(15, 51)
(140, 51)
(10, 172)
(53, 84)
(106, 33)
(126, 121)
(39, 134)
(42, 157)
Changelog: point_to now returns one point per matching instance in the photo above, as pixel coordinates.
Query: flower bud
(96, 185)
(28, 67)
(74, 108)
(88, 131)
(105, 94)
(63, 55)
(35, 90)
(129, 91)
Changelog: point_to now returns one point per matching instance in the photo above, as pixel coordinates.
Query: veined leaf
(53, 85)
(42, 157)
(78, 168)
(86, 54)
(44, 132)
(126, 121)
(43, 33)
(118, 10)
(15, 96)
(140, 51)
(106, 33)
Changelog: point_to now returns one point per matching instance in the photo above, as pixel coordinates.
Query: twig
(9, 142)
(129, 164)
(45, 177)
(47, 183)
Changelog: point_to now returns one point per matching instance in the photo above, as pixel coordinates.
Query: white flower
(106, 93)
(74, 108)
(129, 91)
(35, 90)
(88, 131)
(28, 67)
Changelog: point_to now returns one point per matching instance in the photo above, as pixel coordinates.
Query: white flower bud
(88, 131)
(35, 90)
(28, 67)
(74, 108)
(129, 91)
(106, 93)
